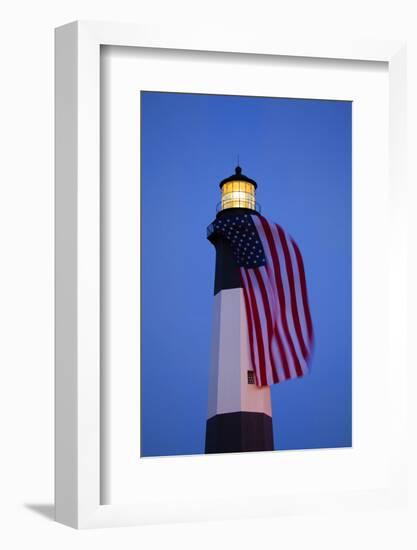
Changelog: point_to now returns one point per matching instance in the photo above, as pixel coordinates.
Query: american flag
(275, 292)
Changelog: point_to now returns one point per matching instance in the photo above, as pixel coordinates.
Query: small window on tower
(251, 377)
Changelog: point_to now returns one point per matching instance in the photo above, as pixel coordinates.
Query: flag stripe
(290, 273)
(250, 323)
(253, 339)
(260, 327)
(277, 346)
(260, 372)
(269, 321)
(298, 294)
(287, 293)
(278, 297)
(285, 314)
(303, 290)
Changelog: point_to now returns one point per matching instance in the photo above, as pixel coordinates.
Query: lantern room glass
(238, 194)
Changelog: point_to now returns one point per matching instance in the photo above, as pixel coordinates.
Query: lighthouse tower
(239, 412)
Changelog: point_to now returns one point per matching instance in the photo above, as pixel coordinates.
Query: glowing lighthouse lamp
(239, 411)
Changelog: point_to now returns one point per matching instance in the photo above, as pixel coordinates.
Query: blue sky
(299, 152)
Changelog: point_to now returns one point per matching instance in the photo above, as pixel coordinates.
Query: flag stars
(244, 241)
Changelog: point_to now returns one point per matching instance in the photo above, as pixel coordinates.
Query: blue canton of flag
(243, 237)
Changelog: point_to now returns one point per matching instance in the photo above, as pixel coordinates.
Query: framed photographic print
(226, 275)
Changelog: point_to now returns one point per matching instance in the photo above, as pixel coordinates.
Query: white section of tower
(229, 390)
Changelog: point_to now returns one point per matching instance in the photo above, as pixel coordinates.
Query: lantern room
(238, 191)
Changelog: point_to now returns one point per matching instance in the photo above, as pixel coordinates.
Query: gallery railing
(237, 203)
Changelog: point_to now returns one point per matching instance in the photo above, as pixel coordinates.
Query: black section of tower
(239, 432)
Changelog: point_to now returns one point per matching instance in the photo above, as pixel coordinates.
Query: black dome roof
(238, 176)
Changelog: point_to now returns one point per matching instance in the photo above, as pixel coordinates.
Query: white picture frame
(78, 321)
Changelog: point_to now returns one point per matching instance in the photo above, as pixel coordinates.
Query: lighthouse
(239, 411)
